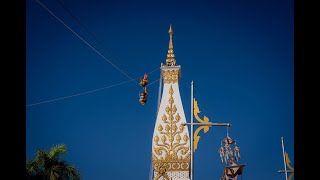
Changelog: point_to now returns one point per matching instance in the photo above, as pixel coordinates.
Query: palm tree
(48, 165)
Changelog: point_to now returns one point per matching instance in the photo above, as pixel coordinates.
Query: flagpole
(191, 162)
(284, 159)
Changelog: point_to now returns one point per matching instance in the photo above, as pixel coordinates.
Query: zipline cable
(87, 92)
(65, 97)
(92, 35)
(86, 42)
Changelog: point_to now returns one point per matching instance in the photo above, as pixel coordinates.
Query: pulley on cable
(144, 94)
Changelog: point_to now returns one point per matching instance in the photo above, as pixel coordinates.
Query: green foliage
(48, 165)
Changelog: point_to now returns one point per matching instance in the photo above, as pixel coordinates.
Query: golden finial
(170, 30)
(170, 42)
(170, 61)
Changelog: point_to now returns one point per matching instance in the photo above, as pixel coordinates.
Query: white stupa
(171, 142)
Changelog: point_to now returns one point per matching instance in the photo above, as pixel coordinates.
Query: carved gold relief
(170, 76)
(172, 163)
(288, 165)
(196, 111)
(172, 144)
(162, 167)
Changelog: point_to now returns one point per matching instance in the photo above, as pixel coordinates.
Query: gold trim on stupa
(172, 142)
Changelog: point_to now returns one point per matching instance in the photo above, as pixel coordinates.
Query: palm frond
(72, 172)
(57, 150)
(49, 166)
(34, 170)
(41, 157)
(56, 172)
(31, 167)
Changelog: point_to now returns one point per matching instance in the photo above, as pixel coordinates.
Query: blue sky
(238, 53)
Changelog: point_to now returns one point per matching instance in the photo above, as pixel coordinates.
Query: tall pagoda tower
(171, 142)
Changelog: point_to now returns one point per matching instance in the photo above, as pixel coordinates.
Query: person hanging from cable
(144, 93)
(144, 81)
(143, 96)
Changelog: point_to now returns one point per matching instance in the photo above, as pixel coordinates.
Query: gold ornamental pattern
(171, 142)
(170, 76)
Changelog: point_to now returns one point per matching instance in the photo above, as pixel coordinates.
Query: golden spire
(171, 60)
(170, 42)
